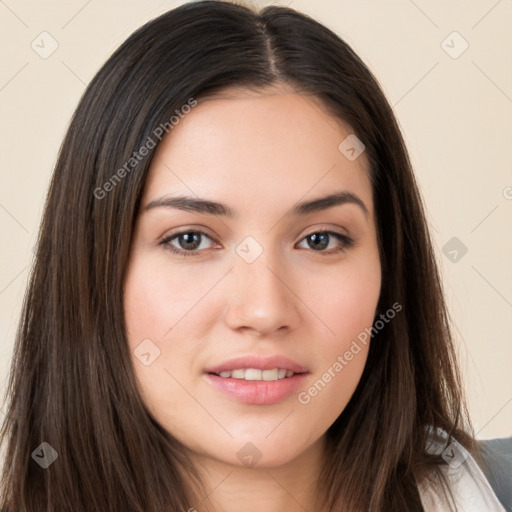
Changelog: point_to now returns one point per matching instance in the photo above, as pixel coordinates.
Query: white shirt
(471, 490)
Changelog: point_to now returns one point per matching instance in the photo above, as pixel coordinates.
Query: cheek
(350, 314)
(156, 302)
(159, 304)
(346, 300)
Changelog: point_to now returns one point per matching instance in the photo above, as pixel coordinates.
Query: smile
(257, 374)
(252, 387)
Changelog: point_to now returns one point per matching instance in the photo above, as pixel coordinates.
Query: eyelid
(315, 228)
(188, 229)
(344, 239)
(206, 231)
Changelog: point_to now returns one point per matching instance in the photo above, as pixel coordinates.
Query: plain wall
(455, 112)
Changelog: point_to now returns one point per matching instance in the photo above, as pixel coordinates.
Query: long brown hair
(71, 383)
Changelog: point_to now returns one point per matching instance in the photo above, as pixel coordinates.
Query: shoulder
(497, 454)
(467, 484)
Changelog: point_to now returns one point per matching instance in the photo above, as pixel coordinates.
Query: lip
(261, 362)
(257, 392)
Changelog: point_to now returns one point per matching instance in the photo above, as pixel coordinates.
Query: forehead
(272, 145)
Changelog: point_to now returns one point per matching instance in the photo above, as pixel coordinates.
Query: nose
(262, 297)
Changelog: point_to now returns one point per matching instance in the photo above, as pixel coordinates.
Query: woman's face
(254, 280)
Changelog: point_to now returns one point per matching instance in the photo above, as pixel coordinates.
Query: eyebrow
(195, 204)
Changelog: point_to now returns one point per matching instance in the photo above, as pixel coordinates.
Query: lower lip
(258, 392)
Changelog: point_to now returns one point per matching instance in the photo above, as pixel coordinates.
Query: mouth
(257, 367)
(257, 380)
(256, 374)
(256, 391)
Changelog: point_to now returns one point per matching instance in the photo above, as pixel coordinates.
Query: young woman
(235, 302)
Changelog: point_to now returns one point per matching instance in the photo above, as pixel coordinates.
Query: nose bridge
(260, 296)
(262, 271)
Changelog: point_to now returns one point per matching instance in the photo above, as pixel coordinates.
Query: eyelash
(346, 241)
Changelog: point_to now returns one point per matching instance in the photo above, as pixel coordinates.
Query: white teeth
(257, 374)
(253, 374)
(270, 374)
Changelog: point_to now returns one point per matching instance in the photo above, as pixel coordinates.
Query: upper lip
(260, 362)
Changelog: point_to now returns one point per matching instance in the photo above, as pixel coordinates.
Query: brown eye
(189, 241)
(320, 240)
(186, 243)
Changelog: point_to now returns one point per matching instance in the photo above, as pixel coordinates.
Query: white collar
(471, 490)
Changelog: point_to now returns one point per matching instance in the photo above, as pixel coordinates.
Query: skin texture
(260, 153)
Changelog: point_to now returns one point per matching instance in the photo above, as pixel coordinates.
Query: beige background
(455, 113)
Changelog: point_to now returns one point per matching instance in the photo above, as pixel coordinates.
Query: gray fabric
(498, 458)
